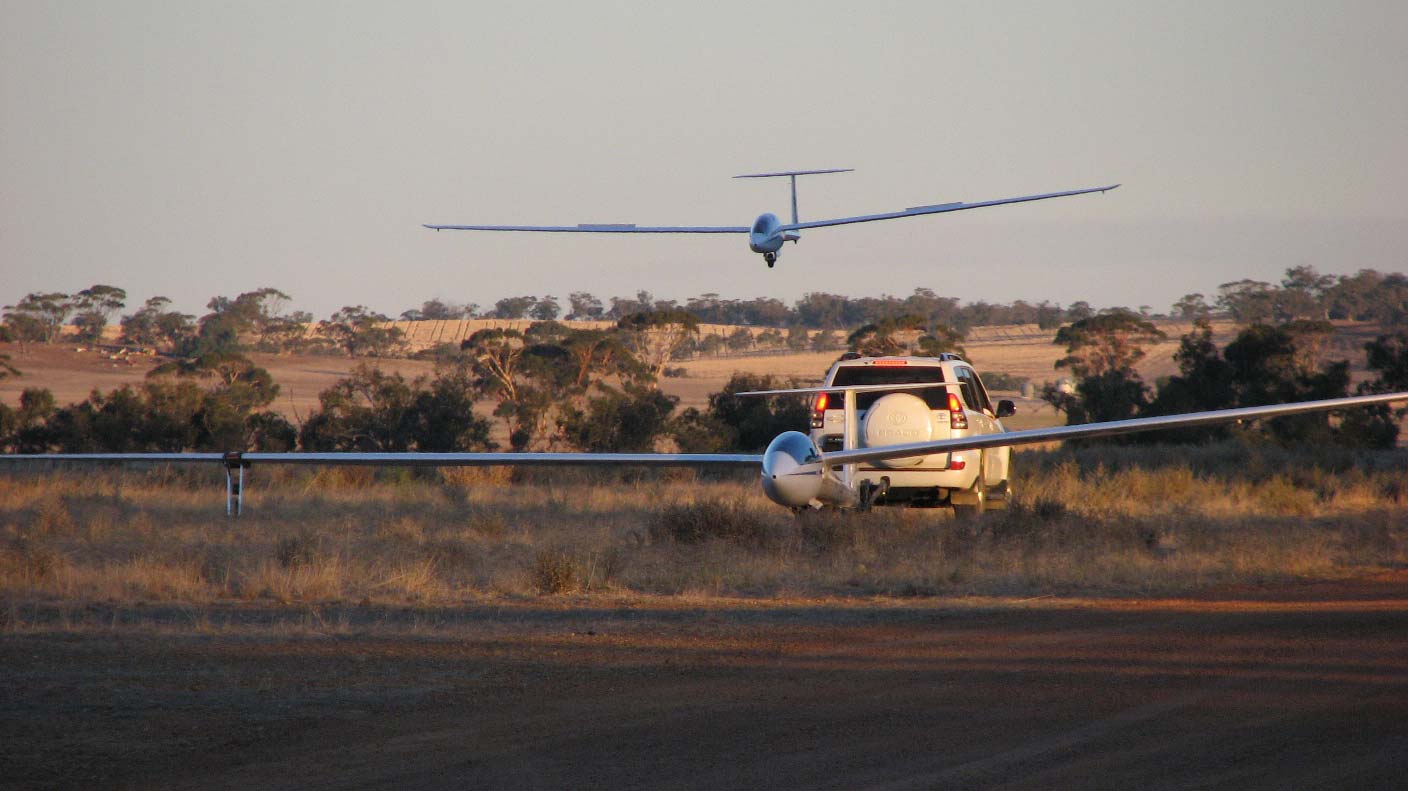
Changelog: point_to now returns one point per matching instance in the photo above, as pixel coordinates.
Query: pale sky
(197, 148)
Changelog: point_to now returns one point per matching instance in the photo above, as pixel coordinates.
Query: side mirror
(1005, 408)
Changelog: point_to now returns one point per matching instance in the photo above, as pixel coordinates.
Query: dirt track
(1301, 687)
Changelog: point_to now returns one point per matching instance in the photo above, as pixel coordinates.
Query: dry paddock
(1232, 616)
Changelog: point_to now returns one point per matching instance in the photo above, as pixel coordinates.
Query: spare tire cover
(897, 419)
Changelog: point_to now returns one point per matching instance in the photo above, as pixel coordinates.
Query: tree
(584, 306)
(6, 369)
(1079, 310)
(1303, 294)
(1249, 301)
(362, 332)
(827, 341)
(1377, 426)
(545, 309)
(1191, 307)
(157, 416)
(623, 308)
(653, 336)
(39, 316)
(1048, 315)
(821, 310)
(369, 410)
(1355, 296)
(1105, 342)
(1205, 382)
(435, 310)
(1101, 352)
(770, 338)
(887, 337)
(939, 340)
(709, 344)
(495, 355)
(598, 353)
(753, 422)
(620, 421)
(513, 307)
(152, 325)
(96, 305)
(740, 340)
(22, 430)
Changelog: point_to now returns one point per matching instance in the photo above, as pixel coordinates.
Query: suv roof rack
(951, 356)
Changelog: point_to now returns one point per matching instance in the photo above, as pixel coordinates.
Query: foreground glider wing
(604, 228)
(939, 208)
(1109, 429)
(857, 455)
(784, 446)
(414, 459)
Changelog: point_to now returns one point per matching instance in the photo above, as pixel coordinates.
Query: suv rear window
(893, 375)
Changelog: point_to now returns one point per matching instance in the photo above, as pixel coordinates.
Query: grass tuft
(556, 572)
(712, 519)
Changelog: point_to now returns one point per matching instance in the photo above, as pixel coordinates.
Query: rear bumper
(924, 477)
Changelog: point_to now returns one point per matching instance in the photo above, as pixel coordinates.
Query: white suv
(958, 406)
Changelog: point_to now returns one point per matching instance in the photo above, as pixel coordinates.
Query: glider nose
(764, 238)
(791, 470)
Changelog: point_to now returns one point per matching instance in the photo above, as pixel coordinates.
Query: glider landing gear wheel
(771, 258)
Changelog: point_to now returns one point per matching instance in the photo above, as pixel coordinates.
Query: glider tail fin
(792, 177)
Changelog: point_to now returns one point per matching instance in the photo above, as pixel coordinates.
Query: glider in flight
(767, 233)
(793, 472)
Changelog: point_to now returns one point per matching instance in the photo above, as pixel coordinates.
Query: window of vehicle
(897, 375)
(982, 391)
(761, 225)
(968, 384)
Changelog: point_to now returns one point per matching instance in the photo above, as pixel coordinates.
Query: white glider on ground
(794, 472)
(767, 233)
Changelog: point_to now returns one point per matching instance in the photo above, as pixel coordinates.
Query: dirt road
(1297, 687)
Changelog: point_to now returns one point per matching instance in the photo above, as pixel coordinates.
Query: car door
(996, 460)
(982, 417)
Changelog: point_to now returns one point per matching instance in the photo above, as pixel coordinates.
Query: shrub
(556, 572)
(707, 519)
(297, 550)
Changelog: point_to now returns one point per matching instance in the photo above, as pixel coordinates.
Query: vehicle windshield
(891, 375)
(761, 224)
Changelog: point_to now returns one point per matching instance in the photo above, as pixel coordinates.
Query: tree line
(555, 386)
(264, 313)
(1304, 293)
(552, 387)
(1267, 363)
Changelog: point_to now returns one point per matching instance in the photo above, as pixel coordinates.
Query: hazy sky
(193, 149)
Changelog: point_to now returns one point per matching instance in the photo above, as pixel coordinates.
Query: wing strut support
(793, 179)
(234, 482)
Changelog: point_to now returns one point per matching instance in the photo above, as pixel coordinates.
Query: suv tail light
(956, 417)
(819, 410)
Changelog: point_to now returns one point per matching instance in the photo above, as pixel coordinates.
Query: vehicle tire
(978, 495)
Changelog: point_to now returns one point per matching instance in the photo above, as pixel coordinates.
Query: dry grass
(1093, 521)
